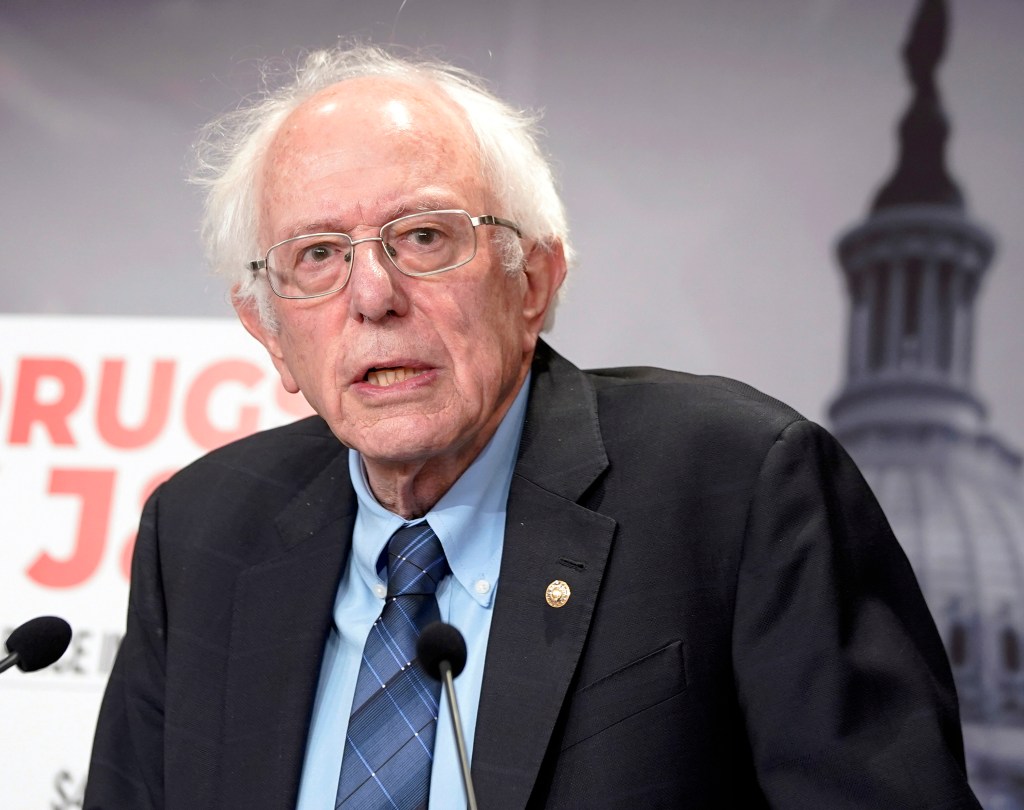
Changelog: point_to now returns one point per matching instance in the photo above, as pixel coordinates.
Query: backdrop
(710, 155)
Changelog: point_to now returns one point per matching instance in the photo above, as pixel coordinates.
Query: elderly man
(675, 591)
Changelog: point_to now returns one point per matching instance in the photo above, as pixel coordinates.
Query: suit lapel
(534, 647)
(282, 614)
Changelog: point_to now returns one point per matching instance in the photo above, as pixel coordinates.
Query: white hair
(231, 148)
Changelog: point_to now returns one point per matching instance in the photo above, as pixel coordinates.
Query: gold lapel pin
(557, 594)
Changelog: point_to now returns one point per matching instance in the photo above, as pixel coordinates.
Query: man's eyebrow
(433, 204)
(394, 211)
(322, 226)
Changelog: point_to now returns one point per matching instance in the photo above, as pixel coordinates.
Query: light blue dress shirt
(469, 520)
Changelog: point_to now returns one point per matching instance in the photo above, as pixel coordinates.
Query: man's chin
(398, 447)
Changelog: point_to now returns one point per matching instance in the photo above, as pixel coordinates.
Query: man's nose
(376, 286)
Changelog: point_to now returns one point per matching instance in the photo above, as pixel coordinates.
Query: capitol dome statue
(910, 416)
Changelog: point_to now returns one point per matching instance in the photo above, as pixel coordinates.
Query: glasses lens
(309, 265)
(421, 244)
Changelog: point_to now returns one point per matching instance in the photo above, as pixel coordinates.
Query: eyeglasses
(418, 245)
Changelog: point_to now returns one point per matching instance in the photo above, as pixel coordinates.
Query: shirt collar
(469, 519)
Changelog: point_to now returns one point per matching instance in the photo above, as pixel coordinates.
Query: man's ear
(544, 269)
(249, 314)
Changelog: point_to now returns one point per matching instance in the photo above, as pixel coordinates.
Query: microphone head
(39, 642)
(441, 642)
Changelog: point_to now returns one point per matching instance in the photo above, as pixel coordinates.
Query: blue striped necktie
(390, 744)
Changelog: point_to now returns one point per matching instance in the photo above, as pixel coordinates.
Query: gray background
(710, 152)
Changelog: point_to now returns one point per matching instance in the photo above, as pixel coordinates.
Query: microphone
(441, 650)
(441, 644)
(37, 643)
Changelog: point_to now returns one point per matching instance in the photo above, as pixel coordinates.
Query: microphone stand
(460, 741)
(9, 661)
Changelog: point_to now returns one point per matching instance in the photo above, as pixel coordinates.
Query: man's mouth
(383, 377)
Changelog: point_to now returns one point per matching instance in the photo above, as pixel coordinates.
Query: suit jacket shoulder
(676, 411)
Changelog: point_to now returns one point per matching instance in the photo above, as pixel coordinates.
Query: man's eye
(317, 254)
(424, 237)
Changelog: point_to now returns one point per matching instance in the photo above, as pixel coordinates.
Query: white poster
(94, 413)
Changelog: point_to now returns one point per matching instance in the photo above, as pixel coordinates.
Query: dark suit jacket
(743, 629)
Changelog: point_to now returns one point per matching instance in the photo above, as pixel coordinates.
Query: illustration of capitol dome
(908, 414)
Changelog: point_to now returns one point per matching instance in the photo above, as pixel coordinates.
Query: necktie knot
(416, 561)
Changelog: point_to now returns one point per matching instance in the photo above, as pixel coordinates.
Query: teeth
(383, 377)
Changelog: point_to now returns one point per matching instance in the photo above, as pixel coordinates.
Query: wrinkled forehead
(372, 122)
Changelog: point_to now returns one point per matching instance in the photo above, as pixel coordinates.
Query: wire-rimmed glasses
(418, 245)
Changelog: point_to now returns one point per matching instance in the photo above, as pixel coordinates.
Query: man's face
(349, 160)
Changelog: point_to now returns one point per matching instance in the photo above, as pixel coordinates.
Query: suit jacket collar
(561, 449)
(533, 647)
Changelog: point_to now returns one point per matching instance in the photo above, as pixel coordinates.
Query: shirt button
(482, 586)
(380, 590)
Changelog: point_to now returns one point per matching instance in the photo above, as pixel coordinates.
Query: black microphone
(37, 643)
(439, 644)
(441, 650)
